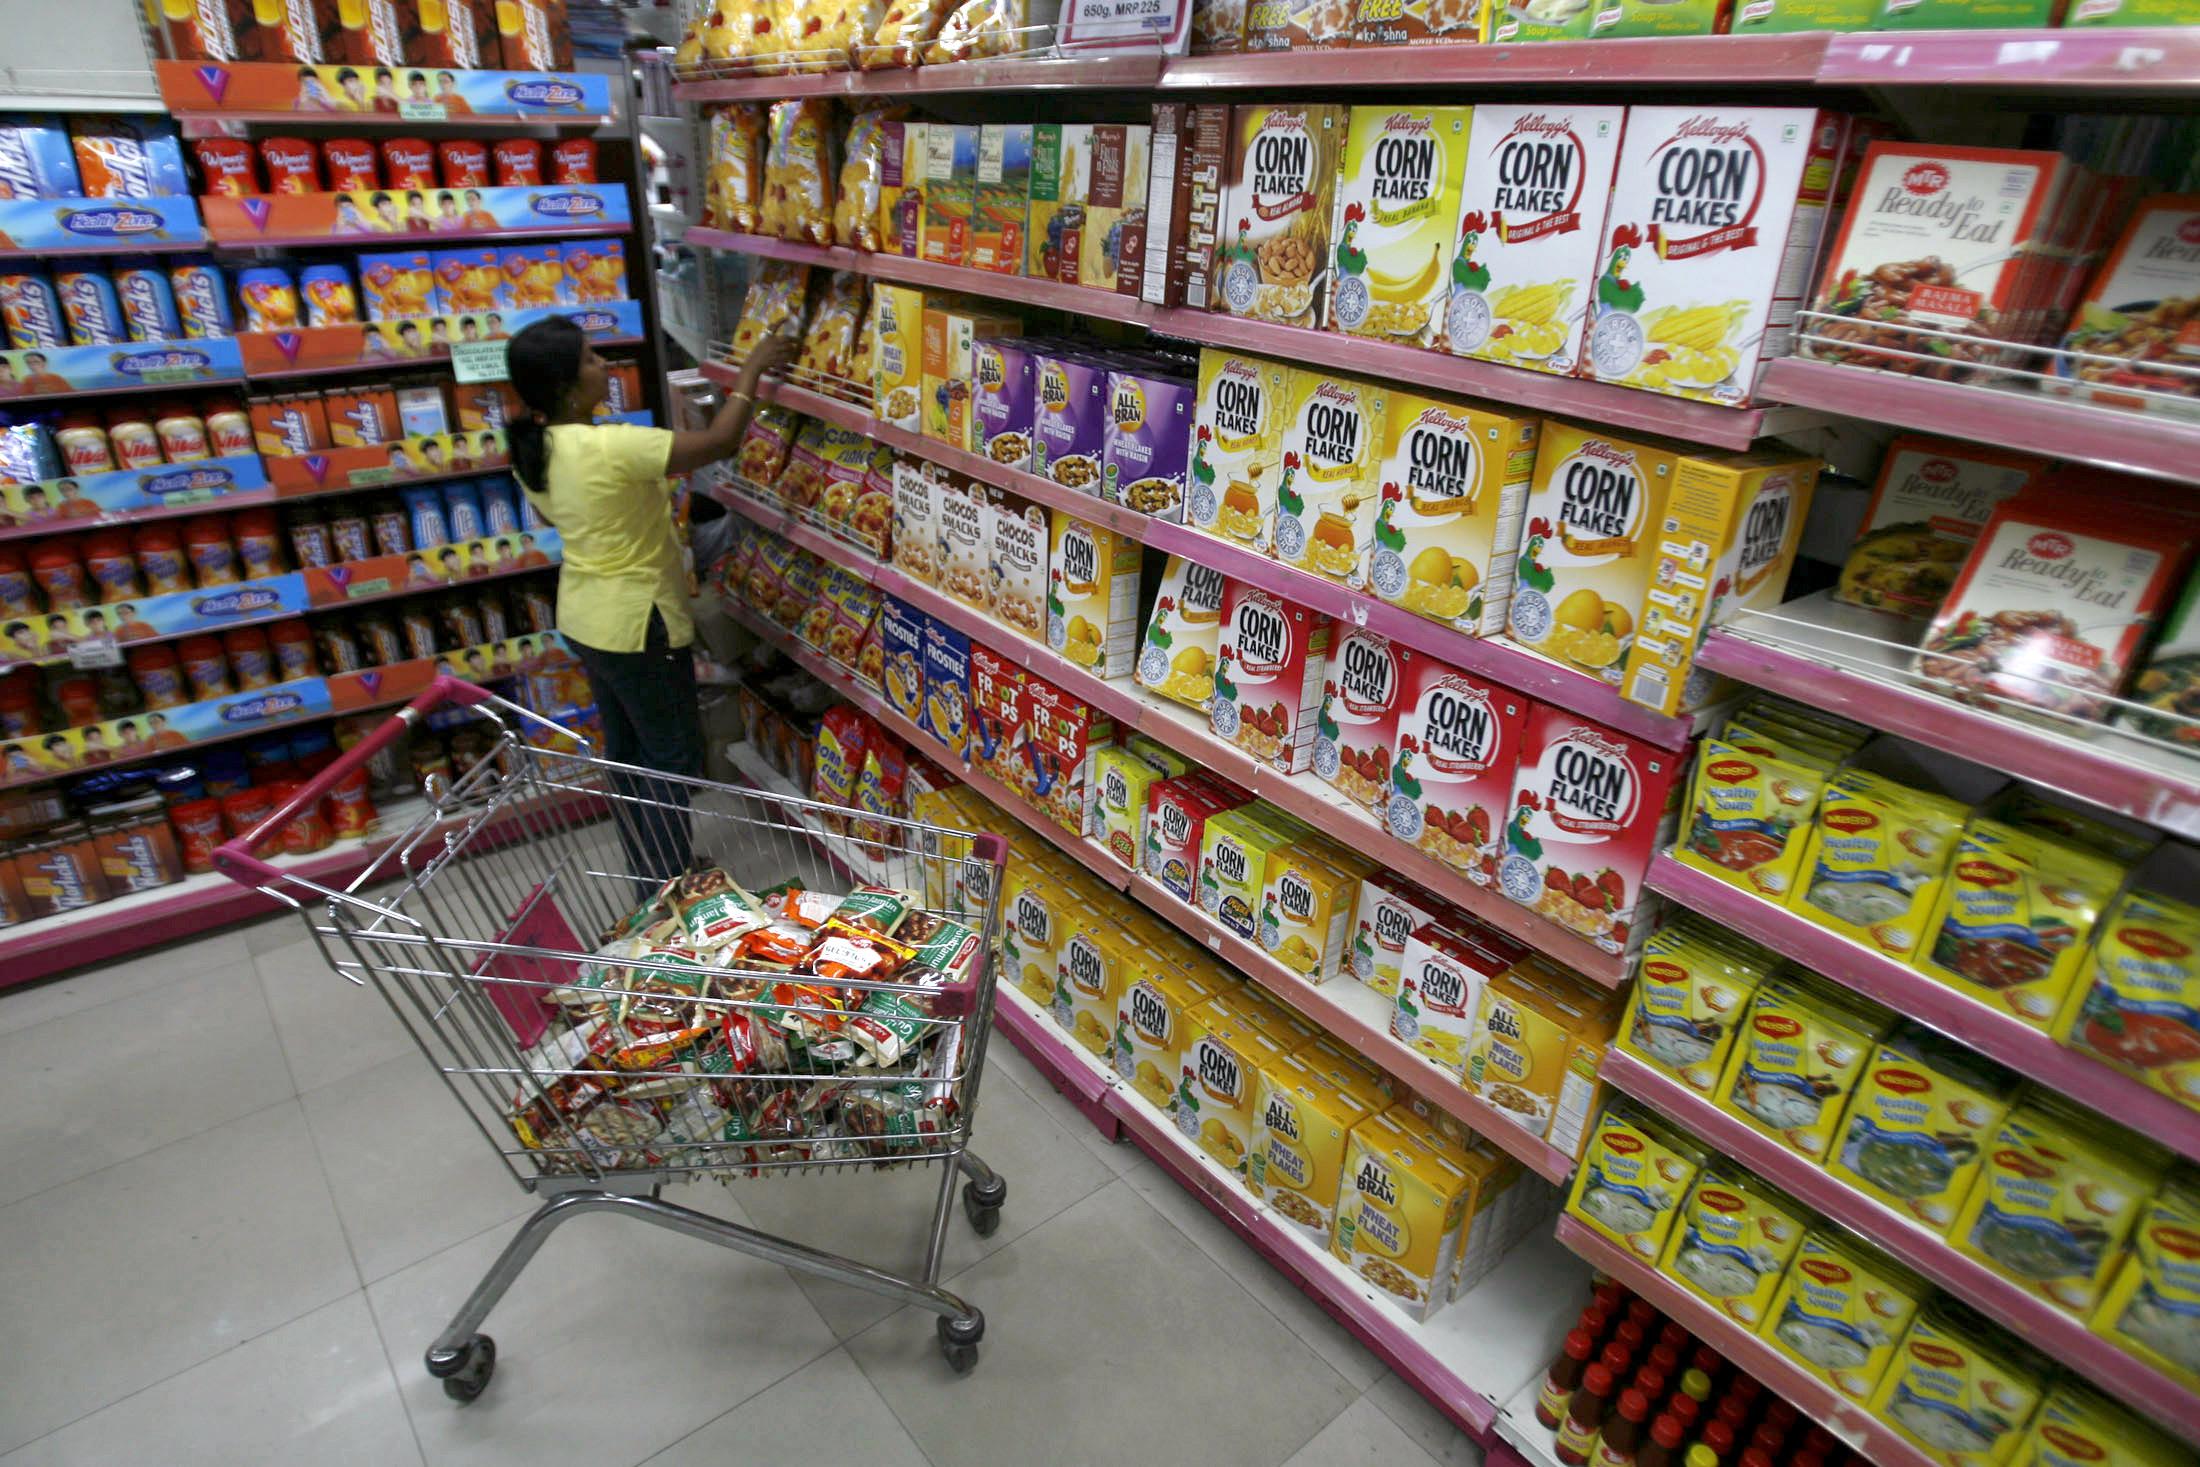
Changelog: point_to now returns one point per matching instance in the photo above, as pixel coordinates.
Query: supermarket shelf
(1650, 62)
(1873, 1439)
(1360, 1016)
(2082, 60)
(1618, 408)
(245, 244)
(2062, 1336)
(1531, 1442)
(837, 849)
(1991, 1032)
(205, 96)
(183, 909)
(1131, 71)
(1856, 662)
(2137, 443)
(1467, 1358)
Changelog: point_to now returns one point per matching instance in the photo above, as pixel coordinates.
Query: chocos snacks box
(1185, 636)
(1232, 493)
(1589, 809)
(1268, 676)
(1276, 210)
(1453, 485)
(1594, 508)
(1715, 213)
(1531, 220)
(1355, 733)
(1325, 496)
(1451, 781)
(1396, 209)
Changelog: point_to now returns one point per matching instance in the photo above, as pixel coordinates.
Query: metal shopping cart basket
(604, 1054)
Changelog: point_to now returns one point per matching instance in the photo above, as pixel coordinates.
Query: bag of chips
(778, 292)
(862, 165)
(733, 192)
(764, 445)
(798, 172)
(909, 25)
(800, 483)
(976, 29)
(829, 346)
(849, 26)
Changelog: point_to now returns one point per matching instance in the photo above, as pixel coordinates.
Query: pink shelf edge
(1026, 72)
(1999, 1037)
(228, 242)
(1644, 61)
(2116, 58)
(2095, 775)
(2063, 1336)
(1814, 1398)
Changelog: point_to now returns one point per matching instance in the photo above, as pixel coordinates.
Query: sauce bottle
(1617, 1359)
(206, 545)
(1650, 1381)
(112, 567)
(1565, 1374)
(1719, 1437)
(1685, 1406)
(1676, 1335)
(1709, 1361)
(1642, 1314)
(1585, 1412)
(1664, 1447)
(1700, 1455)
(1625, 1431)
(1695, 1383)
(1733, 1409)
(1759, 1457)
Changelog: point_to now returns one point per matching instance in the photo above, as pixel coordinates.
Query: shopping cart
(508, 930)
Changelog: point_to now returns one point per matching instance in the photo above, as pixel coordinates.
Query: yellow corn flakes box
(1115, 801)
(1092, 596)
(1633, 1177)
(1877, 856)
(1089, 968)
(1440, 986)
(1235, 445)
(2079, 1427)
(1233, 865)
(1960, 1390)
(2137, 1006)
(1177, 659)
(1218, 1082)
(2151, 1308)
(1397, 203)
(1798, 1058)
(1303, 1125)
(1687, 1005)
(1149, 1030)
(1453, 486)
(1586, 551)
(1734, 1240)
(2059, 1191)
(1842, 1309)
(1923, 1112)
(1255, 1008)
(1326, 491)
(1306, 912)
(1533, 1055)
(1036, 913)
(1399, 1207)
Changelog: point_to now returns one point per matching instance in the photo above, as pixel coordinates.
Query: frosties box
(1268, 676)
(1589, 809)
(1450, 785)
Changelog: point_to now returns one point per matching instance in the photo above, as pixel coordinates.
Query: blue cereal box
(946, 714)
(901, 643)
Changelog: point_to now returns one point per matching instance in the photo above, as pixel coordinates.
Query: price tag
(1117, 22)
(478, 361)
(94, 652)
(1214, 940)
(422, 111)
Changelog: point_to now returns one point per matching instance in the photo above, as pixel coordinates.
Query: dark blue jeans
(651, 720)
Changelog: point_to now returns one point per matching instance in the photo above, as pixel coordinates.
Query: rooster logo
(1466, 272)
(1614, 289)
(1351, 259)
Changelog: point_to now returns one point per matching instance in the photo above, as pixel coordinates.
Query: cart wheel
(959, 1341)
(476, 1363)
(983, 1205)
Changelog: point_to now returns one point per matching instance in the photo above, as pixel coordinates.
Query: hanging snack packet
(901, 37)
(734, 189)
(798, 172)
(778, 292)
(828, 347)
(862, 165)
(764, 445)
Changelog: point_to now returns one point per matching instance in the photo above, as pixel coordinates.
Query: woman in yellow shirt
(622, 590)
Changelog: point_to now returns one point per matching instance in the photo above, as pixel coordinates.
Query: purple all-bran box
(1149, 442)
(1069, 419)
(1003, 407)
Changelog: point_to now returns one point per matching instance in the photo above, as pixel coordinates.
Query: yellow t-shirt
(613, 511)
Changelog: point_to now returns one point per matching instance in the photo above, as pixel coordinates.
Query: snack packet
(778, 293)
(798, 172)
(764, 445)
(908, 26)
(828, 346)
(976, 29)
(862, 163)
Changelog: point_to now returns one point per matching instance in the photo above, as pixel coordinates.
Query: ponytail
(544, 363)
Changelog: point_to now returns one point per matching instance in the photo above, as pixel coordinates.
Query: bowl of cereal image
(900, 403)
(1075, 471)
(1152, 496)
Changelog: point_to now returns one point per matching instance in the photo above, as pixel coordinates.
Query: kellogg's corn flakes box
(1303, 1126)
(1397, 202)
(1530, 222)
(1115, 802)
(1092, 596)
(1268, 676)
(1306, 911)
(1178, 657)
(1233, 861)
(1451, 779)
(1400, 1204)
(1235, 441)
(1712, 211)
(1279, 182)
(1355, 735)
(1149, 1030)
(1440, 984)
(1177, 811)
(1387, 912)
(1454, 486)
(1325, 492)
(1088, 979)
(1589, 547)
(1218, 1082)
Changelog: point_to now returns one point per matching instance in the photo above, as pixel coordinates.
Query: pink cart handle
(237, 859)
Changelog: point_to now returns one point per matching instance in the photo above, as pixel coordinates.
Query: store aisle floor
(235, 1206)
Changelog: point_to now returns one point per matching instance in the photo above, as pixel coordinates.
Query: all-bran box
(1069, 419)
(1355, 735)
(1303, 1123)
(1007, 389)
(1594, 510)
(1326, 493)
(1454, 485)
(1232, 493)
(1268, 676)
(897, 354)
(1397, 205)
(996, 716)
(901, 636)
(1149, 1030)
(1714, 212)
(1148, 442)
(1276, 210)
(1092, 596)
(1400, 1206)
(1530, 222)
(1726, 543)
(1177, 811)
(1590, 807)
(1017, 547)
(1451, 781)
(946, 715)
(1178, 657)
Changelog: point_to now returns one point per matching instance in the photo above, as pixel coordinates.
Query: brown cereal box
(1276, 211)
(1003, 197)
(1122, 155)
(1402, 23)
(1268, 676)
(917, 489)
(965, 535)
(950, 192)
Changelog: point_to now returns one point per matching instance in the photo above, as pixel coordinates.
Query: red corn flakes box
(1268, 676)
(1355, 735)
(1451, 775)
(1177, 811)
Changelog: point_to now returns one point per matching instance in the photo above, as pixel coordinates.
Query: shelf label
(478, 361)
(93, 653)
(1126, 22)
(423, 111)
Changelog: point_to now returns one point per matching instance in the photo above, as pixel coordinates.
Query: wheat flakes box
(1400, 1204)
(1303, 1127)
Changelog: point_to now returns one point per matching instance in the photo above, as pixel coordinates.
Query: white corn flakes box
(1398, 201)
(1715, 220)
(1531, 222)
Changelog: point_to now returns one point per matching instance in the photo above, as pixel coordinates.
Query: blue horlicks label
(202, 299)
(31, 312)
(89, 306)
(148, 303)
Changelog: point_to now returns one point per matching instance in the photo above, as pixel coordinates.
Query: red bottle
(1650, 1381)
(1625, 1432)
(1709, 1361)
(1565, 1374)
(1642, 1312)
(1617, 1359)
(1683, 1405)
(1674, 1334)
(1664, 1446)
(1585, 1413)
(1720, 1438)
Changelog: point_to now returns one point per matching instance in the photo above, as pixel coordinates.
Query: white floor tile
(105, 1084)
(884, 1219)
(617, 1341)
(318, 1390)
(410, 1172)
(1005, 1061)
(38, 1002)
(826, 1413)
(1362, 1437)
(1108, 1340)
(123, 1278)
(266, 934)
(1260, 1278)
(330, 1027)
(1430, 1428)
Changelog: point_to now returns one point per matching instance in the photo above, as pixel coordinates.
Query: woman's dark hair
(544, 364)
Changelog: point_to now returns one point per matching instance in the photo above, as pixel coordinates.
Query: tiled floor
(235, 1206)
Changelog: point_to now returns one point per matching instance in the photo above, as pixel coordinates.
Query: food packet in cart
(713, 909)
(876, 909)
